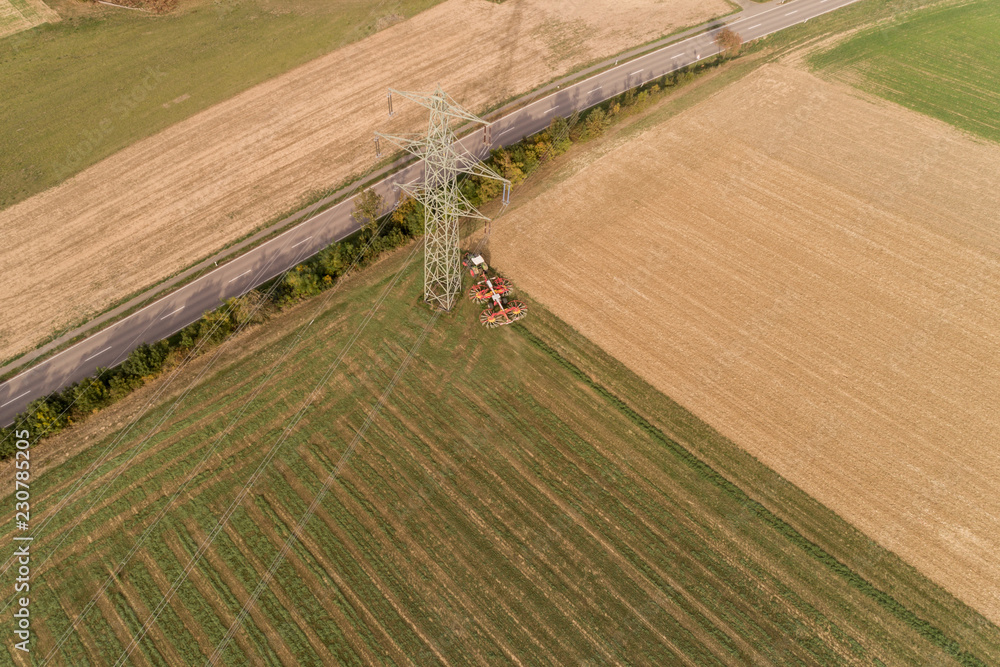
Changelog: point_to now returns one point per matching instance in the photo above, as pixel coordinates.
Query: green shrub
(44, 417)
(595, 123)
(332, 262)
(409, 217)
(91, 395)
(146, 360)
(301, 282)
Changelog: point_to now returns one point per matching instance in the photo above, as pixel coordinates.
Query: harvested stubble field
(509, 503)
(160, 205)
(815, 274)
(18, 15)
(942, 61)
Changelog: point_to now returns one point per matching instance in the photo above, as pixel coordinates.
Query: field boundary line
(704, 470)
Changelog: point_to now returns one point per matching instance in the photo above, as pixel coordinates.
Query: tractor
(495, 291)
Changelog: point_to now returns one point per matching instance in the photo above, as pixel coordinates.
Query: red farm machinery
(495, 292)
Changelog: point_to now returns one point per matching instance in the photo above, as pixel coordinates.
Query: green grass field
(521, 495)
(77, 91)
(942, 61)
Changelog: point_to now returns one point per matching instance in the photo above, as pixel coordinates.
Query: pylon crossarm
(466, 210)
(481, 170)
(459, 112)
(452, 109)
(413, 190)
(415, 144)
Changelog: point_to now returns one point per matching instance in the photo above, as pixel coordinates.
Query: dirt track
(817, 276)
(156, 207)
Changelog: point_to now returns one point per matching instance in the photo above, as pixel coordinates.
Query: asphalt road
(182, 307)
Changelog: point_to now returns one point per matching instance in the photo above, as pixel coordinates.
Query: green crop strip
(942, 61)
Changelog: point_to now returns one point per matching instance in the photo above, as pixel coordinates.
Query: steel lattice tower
(444, 204)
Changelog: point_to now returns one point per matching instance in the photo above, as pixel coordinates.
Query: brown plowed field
(816, 275)
(158, 206)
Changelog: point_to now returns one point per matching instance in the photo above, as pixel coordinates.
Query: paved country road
(185, 305)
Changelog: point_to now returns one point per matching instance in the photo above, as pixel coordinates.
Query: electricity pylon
(443, 202)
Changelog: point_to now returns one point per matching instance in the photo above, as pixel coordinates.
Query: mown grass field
(521, 496)
(942, 61)
(81, 89)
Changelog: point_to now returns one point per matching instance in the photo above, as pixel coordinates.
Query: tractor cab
(475, 264)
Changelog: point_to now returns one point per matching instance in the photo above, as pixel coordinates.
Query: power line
(209, 451)
(233, 506)
(224, 520)
(120, 436)
(286, 547)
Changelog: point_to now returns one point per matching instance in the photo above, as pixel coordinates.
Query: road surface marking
(638, 71)
(240, 276)
(505, 132)
(792, 12)
(748, 18)
(760, 24)
(301, 242)
(14, 399)
(679, 55)
(841, 6)
(173, 313)
(98, 354)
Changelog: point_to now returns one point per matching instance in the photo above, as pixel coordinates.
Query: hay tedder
(495, 291)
